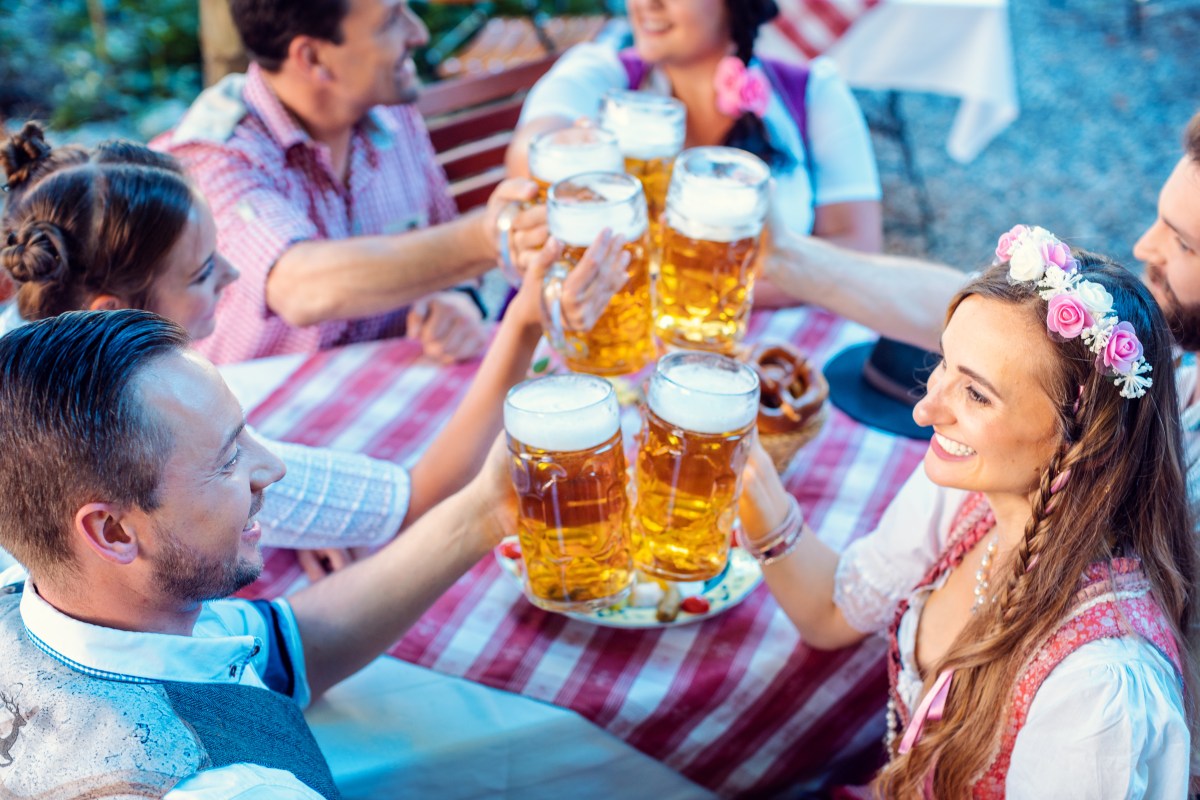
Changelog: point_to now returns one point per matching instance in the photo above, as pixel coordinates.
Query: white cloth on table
(227, 632)
(1107, 722)
(842, 160)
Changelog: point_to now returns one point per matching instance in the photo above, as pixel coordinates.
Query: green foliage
(70, 67)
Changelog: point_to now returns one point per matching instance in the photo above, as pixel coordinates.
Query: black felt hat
(878, 383)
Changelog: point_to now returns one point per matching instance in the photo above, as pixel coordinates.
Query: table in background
(737, 703)
(961, 48)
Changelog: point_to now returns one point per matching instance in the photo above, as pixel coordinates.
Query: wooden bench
(471, 121)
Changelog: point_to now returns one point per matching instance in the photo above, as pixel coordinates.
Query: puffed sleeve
(843, 161)
(333, 498)
(1108, 722)
(880, 569)
(574, 86)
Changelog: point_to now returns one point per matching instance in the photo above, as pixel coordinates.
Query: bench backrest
(471, 121)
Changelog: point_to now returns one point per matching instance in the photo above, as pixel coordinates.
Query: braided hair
(748, 131)
(1115, 487)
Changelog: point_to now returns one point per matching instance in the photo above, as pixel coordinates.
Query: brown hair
(74, 428)
(1126, 495)
(81, 224)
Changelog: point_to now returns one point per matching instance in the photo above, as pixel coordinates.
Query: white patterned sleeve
(331, 498)
(879, 570)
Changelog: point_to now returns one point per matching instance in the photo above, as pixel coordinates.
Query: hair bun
(23, 152)
(34, 253)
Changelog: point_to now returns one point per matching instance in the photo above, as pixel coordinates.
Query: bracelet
(781, 541)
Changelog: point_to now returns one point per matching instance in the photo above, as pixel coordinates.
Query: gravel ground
(1102, 115)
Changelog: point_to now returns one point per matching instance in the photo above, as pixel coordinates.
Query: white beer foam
(562, 413)
(645, 135)
(553, 163)
(579, 225)
(704, 399)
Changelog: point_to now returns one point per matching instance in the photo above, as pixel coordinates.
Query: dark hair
(85, 224)
(1124, 494)
(267, 27)
(748, 131)
(1191, 138)
(73, 428)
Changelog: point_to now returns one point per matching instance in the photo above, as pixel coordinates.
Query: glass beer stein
(715, 211)
(560, 154)
(581, 207)
(699, 414)
(568, 469)
(650, 130)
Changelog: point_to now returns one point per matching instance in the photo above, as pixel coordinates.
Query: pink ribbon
(931, 707)
(740, 89)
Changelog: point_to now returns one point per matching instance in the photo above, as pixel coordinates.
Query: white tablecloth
(396, 729)
(961, 48)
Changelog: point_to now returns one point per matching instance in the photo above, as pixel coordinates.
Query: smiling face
(1170, 249)
(995, 427)
(193, 275)
(373, 63)
(671, 32)
(205, 537)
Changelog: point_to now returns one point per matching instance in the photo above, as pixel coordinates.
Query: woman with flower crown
(1036, 575)
(805, 124)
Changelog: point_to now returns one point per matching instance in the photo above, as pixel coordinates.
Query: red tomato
(510, 550)
(695, 605)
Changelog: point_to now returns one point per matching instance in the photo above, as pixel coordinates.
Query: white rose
(1026, 263)
(1095, 297)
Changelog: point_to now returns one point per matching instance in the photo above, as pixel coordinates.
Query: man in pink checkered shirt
(327, 196)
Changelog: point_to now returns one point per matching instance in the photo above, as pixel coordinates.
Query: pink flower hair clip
(1076, 308)
(740, 89)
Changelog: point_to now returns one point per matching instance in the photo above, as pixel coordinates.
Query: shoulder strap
(791, 81)
(635, 68)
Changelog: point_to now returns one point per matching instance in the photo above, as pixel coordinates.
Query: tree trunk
(219, 42)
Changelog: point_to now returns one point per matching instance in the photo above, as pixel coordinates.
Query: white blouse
(842, 161)
(1107, 722)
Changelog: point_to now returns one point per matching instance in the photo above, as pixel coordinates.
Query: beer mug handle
(552, 313)
(504, 224)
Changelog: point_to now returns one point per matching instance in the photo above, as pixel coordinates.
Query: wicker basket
(782, 447)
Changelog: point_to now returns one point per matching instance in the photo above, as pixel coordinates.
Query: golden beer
(705, 285)
(568, 469)
(581, 207)
(561, 154)
(699, 415)
(650, 131)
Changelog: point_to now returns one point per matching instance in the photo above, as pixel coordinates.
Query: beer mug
(560, 154)
(579, 208)
(650, 130)
(699, 416)
(568, 469)
(715, 211)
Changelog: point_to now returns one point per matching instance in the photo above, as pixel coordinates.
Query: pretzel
(791, 391)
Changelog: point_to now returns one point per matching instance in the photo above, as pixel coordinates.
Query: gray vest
(70, 734)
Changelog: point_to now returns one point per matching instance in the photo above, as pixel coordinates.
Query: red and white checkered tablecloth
(736, 703)
(813, 26)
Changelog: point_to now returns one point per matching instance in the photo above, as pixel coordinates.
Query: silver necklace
(984, 574)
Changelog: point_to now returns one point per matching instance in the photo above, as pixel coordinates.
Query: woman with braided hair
(805, 123)
(1037, 574)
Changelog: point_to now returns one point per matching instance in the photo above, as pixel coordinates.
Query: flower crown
(1078, 308)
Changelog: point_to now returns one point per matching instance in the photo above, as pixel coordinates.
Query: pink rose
(731, 74)
(754, 92)
(1123, 348)
(1059, 255)
(1067, 316)
(1005, 246)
